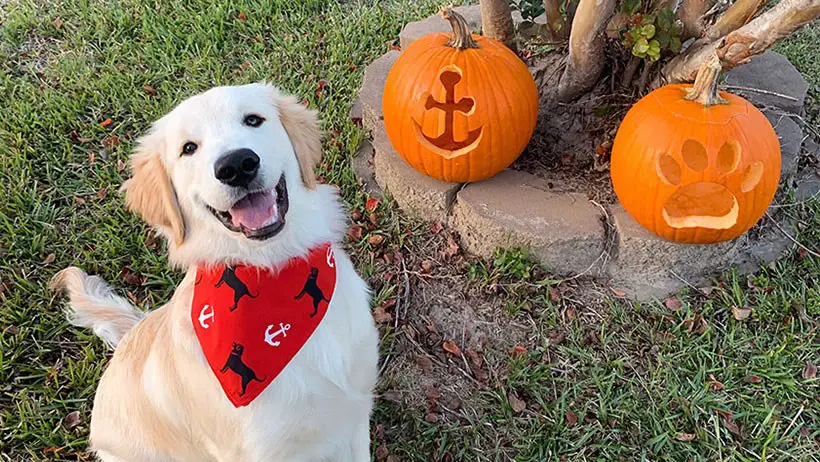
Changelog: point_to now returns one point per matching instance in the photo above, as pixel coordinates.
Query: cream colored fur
(158, 400)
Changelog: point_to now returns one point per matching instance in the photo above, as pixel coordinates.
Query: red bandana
(252, 321)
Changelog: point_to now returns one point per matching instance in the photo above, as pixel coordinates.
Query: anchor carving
(204, 315)
(283, 328)
(445, 144)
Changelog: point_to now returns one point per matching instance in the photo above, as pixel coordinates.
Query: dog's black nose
(237, 168)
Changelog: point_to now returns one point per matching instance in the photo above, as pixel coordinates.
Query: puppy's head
(226, 166)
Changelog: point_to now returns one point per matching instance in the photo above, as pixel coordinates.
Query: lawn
(587, 376)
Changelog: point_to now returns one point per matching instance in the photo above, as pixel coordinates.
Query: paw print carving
(712, 201)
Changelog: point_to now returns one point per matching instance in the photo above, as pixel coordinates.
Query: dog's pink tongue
(255, 210)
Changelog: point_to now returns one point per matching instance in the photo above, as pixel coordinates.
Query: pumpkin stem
(462, 37)
(705, 90)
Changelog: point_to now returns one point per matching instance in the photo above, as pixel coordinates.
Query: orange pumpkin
(695, 165)
(459, 107)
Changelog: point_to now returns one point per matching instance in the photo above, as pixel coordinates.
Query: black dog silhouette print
(312, 288)
(239, 288)
(235, 364)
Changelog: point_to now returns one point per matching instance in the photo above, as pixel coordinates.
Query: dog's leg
(316, 302)
(301, 294)
(360, 444)
(225, 367)
(236, 298)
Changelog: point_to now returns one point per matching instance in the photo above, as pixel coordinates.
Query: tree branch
(691, 15)
(763, 32)
(738, 14)
(739, 46)
(587, 47)
(496, 21)
(555, 22)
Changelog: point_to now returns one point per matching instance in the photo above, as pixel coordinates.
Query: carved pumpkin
(695, 165)
(459, 107)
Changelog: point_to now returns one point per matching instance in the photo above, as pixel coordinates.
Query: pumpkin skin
(491, 114)
(693, 173)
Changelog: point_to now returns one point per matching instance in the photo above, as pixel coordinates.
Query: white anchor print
(330, 262)
(283, 328)
(206, 313)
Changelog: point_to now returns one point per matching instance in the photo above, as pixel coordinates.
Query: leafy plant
(529, 9)
(649, 35)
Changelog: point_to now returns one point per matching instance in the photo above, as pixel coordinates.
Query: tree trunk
(739, 46)
(691, 15)
(587, 48)
(555, 22)
(496, 21)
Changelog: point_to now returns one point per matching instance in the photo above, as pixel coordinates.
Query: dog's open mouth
(259, 215)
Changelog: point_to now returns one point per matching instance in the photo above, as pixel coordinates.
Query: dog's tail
(252, 295)
(93, 304)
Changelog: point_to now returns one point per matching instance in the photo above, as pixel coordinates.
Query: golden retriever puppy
(267, 350)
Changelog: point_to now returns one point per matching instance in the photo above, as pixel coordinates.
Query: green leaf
(640, 48)
(631, 6)
(674, 45)
(654, 46)
(648, 31)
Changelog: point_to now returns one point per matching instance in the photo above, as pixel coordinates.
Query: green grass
(634, 375)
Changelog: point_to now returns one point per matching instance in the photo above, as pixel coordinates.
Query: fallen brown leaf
(451, 347)
(715, 384)
(241, 16)
(376, 240)
(371, 204)
(320, 87)
(381, 452)
(355, 232)
(58, 23)
(426, 266)
(120, 166)
(102, 193)
(519, 351)
(729, 423)
(809, 371)
(355, 215)
(92, 158)
(424, 363)
(72, 419)
(571, 313)
(452, 247)
(571, 418)
(516, 403)
(753, 379)
(111, 142)
(381, 316)
(685, 437)
(431, 418)
(618, 292)
(741, 313)
(555, 296)
(106, 122)
(435, 227)
(245, 66)
(150, 90)
(557, 337)
(49, 259)
(476, 359)
(79, 139)
(79, 200)
(393, 458)
(672, 303)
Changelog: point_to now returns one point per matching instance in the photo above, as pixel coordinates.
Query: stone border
(567, 233)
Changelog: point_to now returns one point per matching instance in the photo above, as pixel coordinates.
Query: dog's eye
(189, 148)
(253, 120)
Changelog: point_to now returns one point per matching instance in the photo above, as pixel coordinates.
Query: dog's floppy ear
(149, 191)
(302, 126)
